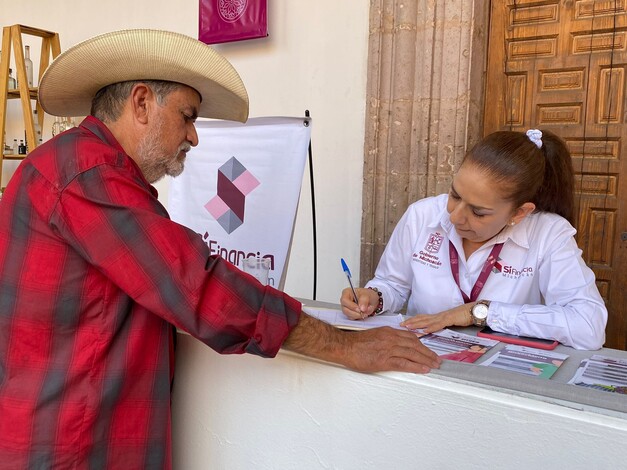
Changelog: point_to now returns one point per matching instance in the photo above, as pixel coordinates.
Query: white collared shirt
(539, 287)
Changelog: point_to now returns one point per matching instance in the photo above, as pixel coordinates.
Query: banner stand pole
(313, 210)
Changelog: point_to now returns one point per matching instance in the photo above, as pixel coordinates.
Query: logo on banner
(231, 10)
(235, 182)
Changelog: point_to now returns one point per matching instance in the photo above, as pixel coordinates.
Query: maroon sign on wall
(232, 20)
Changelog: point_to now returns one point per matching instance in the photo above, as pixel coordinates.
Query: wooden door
(561, 65)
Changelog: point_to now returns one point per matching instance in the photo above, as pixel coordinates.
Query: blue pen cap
(345, 267)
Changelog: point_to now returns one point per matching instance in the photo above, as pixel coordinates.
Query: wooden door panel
(562, 65)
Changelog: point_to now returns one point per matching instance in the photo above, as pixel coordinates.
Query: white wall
(314, 58)
(294, 413)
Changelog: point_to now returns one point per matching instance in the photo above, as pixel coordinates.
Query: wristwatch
(479, 312)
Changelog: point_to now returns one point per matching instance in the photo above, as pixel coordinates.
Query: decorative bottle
(69, 122)
(12, 82)
(29, 66)
(56, 126)
(37, 126)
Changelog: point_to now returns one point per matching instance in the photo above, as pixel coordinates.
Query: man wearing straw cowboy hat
(93, 274)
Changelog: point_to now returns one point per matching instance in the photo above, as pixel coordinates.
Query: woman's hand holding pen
(457, 316)
(367, 303)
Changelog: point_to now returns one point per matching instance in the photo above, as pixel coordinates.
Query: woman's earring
(512, 223)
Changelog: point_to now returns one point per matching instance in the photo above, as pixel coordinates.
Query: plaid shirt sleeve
(121, 230)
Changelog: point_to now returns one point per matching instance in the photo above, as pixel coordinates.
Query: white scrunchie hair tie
(535, 136)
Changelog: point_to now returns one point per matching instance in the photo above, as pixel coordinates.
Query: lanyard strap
(483, 276)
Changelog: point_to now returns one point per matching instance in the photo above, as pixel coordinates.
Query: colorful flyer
(529, 361)
(455, 346)
(603, 373)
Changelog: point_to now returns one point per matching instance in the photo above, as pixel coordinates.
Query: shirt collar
(97, 127)
(100, 130)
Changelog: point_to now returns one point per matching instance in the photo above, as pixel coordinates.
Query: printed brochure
(529, 361)
(455, 346)
(602, 373)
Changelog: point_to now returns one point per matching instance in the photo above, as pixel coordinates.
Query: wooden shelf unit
(12, 39)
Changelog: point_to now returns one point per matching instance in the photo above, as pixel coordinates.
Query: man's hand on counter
(373, 350)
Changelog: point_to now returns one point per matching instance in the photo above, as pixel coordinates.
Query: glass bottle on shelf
(62, 124)
(56, 126)
(29, 66)
(21, 149)
(37, 126)
(16, 148)
(69, 122)
(12, 82)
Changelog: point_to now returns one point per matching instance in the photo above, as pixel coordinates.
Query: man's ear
(141, 98)
(523, 211)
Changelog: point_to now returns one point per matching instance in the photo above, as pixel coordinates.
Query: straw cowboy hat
(75, 76)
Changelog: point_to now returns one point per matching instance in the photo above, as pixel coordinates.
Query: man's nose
(192, 136)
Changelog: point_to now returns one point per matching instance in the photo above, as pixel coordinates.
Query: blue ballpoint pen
(348, 276)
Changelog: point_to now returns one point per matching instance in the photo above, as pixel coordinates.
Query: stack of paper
(337, 318)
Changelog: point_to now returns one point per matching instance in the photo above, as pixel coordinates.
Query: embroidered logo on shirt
(513, 273)
(427, 256)
(434, 242)
(235, 182)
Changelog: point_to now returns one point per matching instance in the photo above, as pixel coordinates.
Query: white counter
(291, 412)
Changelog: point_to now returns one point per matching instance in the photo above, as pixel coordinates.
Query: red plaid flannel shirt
(92, 276)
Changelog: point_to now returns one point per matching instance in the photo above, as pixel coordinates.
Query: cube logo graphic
(235, 182)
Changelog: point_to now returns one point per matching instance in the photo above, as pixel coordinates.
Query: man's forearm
(316, 338)
(373, 350)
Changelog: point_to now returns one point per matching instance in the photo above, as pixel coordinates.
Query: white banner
(241, 185)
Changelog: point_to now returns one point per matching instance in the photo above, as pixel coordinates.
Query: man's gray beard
(153, 161)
